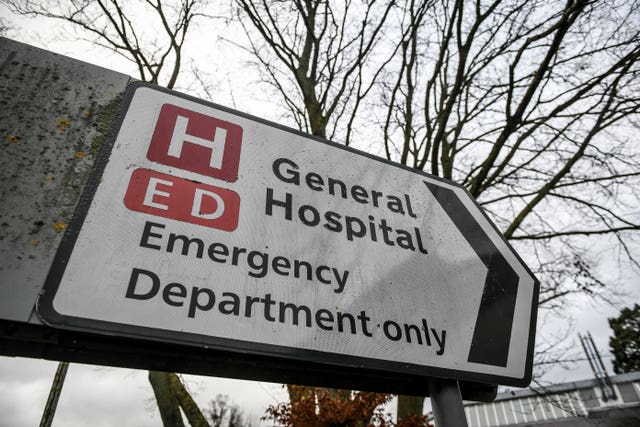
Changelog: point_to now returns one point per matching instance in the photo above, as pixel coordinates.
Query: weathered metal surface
(54, 113)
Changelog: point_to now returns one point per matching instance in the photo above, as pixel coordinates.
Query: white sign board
(207, 227)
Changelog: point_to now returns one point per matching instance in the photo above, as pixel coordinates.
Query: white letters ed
(197, 203)
(152, 191)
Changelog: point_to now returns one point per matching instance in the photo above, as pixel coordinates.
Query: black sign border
(48, 314)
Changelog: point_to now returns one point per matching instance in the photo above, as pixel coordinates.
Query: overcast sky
(102, 396)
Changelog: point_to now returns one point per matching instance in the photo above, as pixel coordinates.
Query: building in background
(575, 404)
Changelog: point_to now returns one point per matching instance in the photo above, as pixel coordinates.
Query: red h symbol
(196, 142)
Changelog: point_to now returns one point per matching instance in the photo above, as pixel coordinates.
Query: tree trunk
(167, 404)
(186, 402)
(409, 405)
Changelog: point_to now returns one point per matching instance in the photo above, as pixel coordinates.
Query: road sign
(207, 227)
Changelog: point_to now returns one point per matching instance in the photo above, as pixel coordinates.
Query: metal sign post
(446, 403)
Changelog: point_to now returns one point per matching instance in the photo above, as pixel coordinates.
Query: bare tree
(529, 104)
(154, 46)
(320, 48)
(4, 26)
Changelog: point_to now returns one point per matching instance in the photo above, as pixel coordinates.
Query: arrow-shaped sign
(208, 227)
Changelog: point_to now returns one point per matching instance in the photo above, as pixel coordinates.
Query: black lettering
(342, 187)
(375, 195)
(352, 322)
(296, 269)
(385, 232)
(146, 233)
(386, 328)
(268, 302)
(407, 331)
(409, 207)
(364, 319)
(271, 202)
(404, 239)
(419, 241)
(249, 301)
(315, 215)
(394, 204)
(231, 306)
(174, 290)
(352, 232)
(195, 303)
(133, 282)
(359, 194)
(372, 228)
(295, 312)
(314, 181)
(439, 340)
(319, 271)
(341, 279)
(236, 254)
(186, 244)
(216, 249)
(333, 221)
(324, 316)
(262, 267)
(281, 265)
(291, 175)
(425, 328)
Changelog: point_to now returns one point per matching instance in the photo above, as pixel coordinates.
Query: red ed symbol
(183, 200)
(196, 142)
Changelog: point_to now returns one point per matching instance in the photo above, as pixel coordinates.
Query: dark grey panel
(54, 113)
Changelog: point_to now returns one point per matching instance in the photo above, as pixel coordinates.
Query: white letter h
(180, 136)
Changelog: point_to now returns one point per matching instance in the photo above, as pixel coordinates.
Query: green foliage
(625, 342)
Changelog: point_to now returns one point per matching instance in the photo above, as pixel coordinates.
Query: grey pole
(54, 394)
(446, 402)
